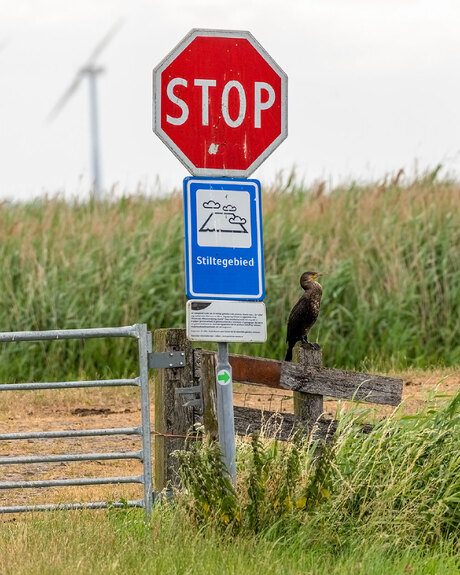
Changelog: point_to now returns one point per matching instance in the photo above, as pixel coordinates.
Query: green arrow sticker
(223, 376)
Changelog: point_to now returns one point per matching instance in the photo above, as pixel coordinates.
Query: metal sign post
(225, 416)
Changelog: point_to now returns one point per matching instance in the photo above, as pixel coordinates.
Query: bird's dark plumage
(304, 313)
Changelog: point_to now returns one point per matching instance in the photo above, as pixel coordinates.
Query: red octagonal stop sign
(220, 103)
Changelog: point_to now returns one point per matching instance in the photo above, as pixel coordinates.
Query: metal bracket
(191, 391)
(166, 359)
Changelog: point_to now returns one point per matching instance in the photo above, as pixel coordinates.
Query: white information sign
(226, 321)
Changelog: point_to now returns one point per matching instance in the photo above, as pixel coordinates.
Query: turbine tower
(91, 71)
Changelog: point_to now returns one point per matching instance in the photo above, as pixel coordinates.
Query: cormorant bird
(304, 313)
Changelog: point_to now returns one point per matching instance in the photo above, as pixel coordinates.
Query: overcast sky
(374, 86)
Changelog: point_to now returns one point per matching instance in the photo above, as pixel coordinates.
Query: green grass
(120, 543)
(385, 502)
(390, 297)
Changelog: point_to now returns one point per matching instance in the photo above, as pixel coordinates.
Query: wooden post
(205, 369)
(171, 417)
(308, 406)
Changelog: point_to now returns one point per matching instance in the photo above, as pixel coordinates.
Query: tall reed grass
(391, 296)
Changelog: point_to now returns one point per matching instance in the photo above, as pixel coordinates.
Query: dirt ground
(108, 408)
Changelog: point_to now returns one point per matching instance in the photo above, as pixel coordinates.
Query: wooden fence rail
(317, 380)
(176, 412)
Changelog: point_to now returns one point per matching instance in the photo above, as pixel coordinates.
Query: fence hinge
(189, 393)
(166, 359)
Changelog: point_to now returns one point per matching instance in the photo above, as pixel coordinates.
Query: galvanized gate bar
(57, 334)
(137, 331)
(70, 482)
(70, 457)
(70, 384)
(69, 506)
(69, 433)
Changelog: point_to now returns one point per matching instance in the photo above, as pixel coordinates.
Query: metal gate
(137, 331)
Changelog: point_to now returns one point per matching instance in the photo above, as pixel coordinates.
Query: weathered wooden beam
(335, 383)
(255, 370)
(173, 420)
(341, 384)
(280, 426)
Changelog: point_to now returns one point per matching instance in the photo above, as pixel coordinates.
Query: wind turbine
(90, 70)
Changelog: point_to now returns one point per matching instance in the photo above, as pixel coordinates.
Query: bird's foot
(311, 344)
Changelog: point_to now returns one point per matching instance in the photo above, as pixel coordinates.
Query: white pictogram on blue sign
(220, 216)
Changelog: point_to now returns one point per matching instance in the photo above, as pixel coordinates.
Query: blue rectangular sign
(223, 239)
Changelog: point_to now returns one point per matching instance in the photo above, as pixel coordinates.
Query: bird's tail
(288, 354)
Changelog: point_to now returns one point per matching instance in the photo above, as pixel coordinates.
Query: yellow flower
(301, 502)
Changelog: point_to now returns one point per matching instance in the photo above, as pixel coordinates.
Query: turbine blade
(65, 97)
(89, 64)
(105, 40)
